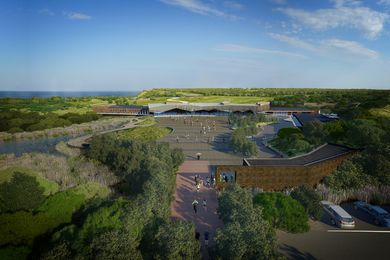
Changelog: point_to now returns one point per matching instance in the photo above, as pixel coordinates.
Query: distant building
(121, 110)
(223, 108)
(287, 111)
(275, 174)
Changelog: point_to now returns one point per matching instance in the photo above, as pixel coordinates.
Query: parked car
(338, 216)
(380, 216)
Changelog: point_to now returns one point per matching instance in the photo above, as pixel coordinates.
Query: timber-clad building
(275, 174)
(121, 110)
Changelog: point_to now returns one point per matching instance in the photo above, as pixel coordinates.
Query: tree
(315, 132)
(115, 244)
(347, 176)
(246, 235)
(176, 240)
(22, 192)
(309, 199)
(283, 212)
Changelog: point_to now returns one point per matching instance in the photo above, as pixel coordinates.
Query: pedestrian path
(206, 219)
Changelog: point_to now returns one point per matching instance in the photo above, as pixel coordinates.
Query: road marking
(357, 231)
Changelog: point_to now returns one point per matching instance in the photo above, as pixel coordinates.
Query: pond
(42, 145)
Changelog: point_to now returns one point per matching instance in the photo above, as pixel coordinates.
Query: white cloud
(345, 13)
(384, 2)
(250, 50)
(77, 16)
(351, 47)
(233, 5)
(279, 2)
(199, 7)
(328, 47)
(295, 42)
(46, 11)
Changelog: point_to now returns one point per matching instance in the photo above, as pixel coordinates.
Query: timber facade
(281, 173)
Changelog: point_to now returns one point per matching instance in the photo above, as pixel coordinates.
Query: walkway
(82, 141)
(181, 208)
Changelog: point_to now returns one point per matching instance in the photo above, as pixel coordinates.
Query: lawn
(147, 133)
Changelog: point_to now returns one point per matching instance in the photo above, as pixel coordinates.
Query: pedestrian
(197, 235)
(205, 204)
(208, 181)
(196, 179)
(198, 187)
(195, 205)
(206, 238)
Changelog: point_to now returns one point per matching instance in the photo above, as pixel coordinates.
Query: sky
(119, 45)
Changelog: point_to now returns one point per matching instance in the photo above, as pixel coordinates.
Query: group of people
(209, 182)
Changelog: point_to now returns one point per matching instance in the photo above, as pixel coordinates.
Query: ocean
(46, 94)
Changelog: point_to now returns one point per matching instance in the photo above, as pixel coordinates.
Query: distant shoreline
(47, 94)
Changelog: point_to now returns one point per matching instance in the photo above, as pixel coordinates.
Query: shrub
(283, 212)
(309, 199)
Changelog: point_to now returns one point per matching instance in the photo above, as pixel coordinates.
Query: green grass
(20, 228)
(381, 112)
(148, 133)
(50, 187)
(12, 253)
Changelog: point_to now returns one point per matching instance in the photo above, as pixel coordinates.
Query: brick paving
(206, 219)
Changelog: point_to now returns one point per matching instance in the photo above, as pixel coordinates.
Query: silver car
(338, 216)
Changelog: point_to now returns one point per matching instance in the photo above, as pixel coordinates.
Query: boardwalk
(206, 219)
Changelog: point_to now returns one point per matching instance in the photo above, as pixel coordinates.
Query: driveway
(325, 241)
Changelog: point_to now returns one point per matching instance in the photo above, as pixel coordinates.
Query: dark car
(380, 216)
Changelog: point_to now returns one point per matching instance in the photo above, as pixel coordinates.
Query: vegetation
(245, 235)
(310, 200)
(21, 227)
(291, 142)
(22, 192)
(147, 133)
(246, 126)
(283, 212)
(17, 121)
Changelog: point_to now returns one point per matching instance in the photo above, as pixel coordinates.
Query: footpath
(206, 219)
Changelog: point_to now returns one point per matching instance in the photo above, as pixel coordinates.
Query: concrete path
(206, 219)
(81, 141)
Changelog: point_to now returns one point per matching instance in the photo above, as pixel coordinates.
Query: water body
(46, 94)
(42, 145)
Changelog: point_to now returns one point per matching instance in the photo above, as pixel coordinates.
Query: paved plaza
(209, 136)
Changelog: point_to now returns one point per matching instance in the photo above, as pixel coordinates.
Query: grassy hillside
(148, 133)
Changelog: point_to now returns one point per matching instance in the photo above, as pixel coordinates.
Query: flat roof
(304, 118)
(322, 153)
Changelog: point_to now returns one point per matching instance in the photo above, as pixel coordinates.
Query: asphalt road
(325, 241)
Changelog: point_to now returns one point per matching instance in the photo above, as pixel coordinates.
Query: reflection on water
(42, 145)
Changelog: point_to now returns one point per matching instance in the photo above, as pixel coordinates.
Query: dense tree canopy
(22, 192)
(245, 235)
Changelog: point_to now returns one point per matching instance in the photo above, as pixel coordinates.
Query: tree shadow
(293, 253)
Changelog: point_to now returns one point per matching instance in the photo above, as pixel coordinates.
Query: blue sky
(141, 44)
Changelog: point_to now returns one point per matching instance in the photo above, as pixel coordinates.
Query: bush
(23, 192)
(309, 199)
(283, 212)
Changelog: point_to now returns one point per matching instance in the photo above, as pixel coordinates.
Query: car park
(338, 216)
(380, 216)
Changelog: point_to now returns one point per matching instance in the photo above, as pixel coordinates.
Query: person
(198, 187)
(208, 181)
(197, 235)
(206, 238)
(195, 205)
(196, 179)
(205, 204)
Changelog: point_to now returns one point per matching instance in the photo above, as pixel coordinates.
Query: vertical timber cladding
(275, 178)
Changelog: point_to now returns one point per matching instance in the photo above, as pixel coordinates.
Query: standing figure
(204, 204)
(206, 238)
(195, 205)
